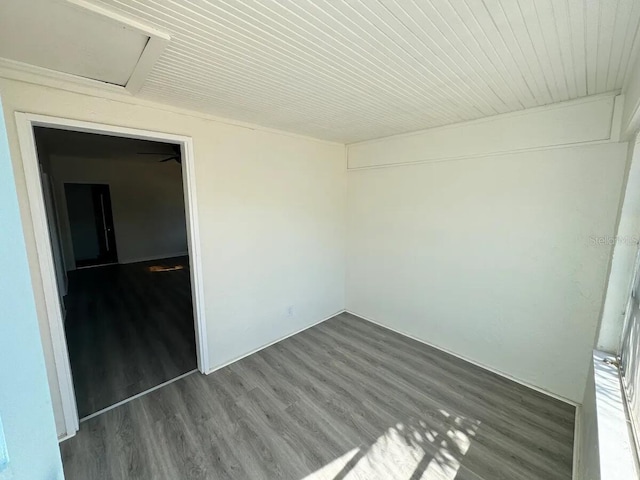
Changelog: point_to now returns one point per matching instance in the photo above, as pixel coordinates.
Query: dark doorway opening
(117, 205)
(91, 224)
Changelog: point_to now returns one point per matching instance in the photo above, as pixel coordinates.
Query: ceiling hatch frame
(156, 44)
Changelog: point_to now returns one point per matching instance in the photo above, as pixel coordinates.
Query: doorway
(100, 221)
(91, 224)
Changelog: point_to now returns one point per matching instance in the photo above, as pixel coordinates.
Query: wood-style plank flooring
(128, 329)
(343, 400)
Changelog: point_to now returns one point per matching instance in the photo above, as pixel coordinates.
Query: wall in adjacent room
(491, 239)
(147, 202)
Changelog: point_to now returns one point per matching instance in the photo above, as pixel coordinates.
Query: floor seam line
(137, 395)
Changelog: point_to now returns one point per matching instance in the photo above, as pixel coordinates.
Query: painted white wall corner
(489, 246)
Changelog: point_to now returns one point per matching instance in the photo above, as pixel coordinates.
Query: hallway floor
(129, 328)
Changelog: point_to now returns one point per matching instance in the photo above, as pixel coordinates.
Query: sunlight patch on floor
(332, 470)
(407, 451)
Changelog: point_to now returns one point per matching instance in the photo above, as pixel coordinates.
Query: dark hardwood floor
(128, 329)
(343, 400)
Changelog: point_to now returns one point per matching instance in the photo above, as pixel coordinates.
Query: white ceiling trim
(616, 95)
(26, 72)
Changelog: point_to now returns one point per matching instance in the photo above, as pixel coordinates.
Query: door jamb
(25, 124)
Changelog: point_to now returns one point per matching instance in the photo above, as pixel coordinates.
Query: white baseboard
(478, 364)
(274, 342)
(576, 442)
(154, 257)
(66, 436)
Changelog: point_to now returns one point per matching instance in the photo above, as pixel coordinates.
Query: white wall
(271, 211)
(490, 257)
(625, 253)
(146, 198)
(25, 403)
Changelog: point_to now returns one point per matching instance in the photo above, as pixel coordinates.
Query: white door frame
(25, 123)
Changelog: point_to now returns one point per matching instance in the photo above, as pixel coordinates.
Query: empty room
(309, 240)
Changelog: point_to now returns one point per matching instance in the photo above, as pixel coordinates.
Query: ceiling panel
(63, 37)
(349, 70)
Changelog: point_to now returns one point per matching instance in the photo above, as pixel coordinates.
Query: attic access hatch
(77, 41)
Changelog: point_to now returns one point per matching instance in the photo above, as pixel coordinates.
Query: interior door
(91, 223)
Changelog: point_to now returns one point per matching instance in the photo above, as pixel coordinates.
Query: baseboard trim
(66, 436)
(576, 442)
(274, 342)
(155, 257)
(461, 357)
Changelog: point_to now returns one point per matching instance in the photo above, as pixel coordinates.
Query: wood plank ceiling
(348, 70)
